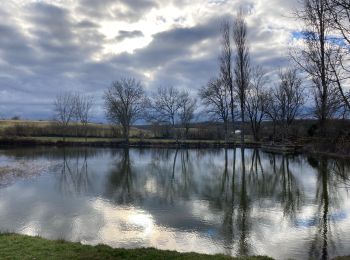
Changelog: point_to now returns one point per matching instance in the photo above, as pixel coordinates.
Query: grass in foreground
(14, 246)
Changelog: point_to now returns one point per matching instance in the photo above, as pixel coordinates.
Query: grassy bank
(14, 246)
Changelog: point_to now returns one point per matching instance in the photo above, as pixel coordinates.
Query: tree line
(243, 93)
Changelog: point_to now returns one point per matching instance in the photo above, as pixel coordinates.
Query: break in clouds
(51, 46)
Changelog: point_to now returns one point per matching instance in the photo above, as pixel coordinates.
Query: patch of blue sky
(333, 39)
(298, 35)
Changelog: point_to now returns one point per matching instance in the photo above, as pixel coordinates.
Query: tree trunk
(242, 124)
(323, 71)
(232, 110)
(64, 128)
(226, 131)
(85, 132)
(126, 134)
(186, 132)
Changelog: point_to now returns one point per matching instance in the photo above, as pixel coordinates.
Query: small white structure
(237, 132)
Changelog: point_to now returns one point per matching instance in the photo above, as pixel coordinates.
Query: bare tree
(288, 97)
(83, 109)
(257, 100)
(125, 103)
(317, 57)
(215, 97)
(225, 60)
(340, 14)
(242, 64)
(186, 111)
(165, 105)
(64, 107)
(272, 110)
(340, 22)
(291, 96)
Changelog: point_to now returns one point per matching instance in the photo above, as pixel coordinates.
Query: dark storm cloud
(14, 48)
(189, 74)
(169, 54)
(87, 24)
(122, 35)
(59, 37)
(51, 57)
(169, 46)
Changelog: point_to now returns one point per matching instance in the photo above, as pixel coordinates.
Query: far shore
(270, 147)
(118, 142)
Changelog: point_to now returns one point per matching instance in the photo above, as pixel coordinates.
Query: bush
(15, 118)
(312, 130)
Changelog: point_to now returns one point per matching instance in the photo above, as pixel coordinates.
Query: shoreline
(119, 143)
(277, 148)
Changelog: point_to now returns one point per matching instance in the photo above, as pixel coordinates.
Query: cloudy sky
(51, 46)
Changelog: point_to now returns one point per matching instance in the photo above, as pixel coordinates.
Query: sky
(48, 47)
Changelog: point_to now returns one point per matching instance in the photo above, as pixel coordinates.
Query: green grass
(14, 246)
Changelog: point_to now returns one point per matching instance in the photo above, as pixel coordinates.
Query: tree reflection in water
(331, 175)
(234, 187)
(120, 185)
(233, 201)
(244, 213)
(74, 175)
(291, 194)
(277, 182)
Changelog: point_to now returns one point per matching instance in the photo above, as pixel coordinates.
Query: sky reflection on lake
(206, 201)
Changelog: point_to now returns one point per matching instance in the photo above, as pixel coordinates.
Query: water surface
(207, 201)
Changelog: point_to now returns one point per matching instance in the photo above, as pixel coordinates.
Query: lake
(209, 201)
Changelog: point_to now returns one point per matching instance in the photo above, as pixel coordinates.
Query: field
(50, 131)
(26, 128)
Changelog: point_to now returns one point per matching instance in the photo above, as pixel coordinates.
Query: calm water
(208, 201)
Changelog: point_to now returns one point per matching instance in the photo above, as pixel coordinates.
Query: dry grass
(49, 128)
